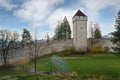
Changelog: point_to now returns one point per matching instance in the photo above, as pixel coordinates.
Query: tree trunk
(35, 65)
(4, 59)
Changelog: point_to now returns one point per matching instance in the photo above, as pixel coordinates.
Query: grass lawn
(89, 64)
(96, 65)
(99, 64)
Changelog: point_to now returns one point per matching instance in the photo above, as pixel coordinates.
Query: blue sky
(44, 14)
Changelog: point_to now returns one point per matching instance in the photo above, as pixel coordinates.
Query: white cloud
(93, 7)
(36, 11)
(39, 12)
(59, 14)
(6, 4)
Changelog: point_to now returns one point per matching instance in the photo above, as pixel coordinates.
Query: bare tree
(91, 33)
(47, 37)
(7, 43)
(34, 45)
(36, 49)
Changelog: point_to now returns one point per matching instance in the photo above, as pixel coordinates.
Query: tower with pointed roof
(80, 31)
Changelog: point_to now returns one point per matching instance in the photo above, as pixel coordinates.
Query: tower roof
(79, 13)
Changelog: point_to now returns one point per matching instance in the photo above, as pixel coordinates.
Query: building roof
(79, 13)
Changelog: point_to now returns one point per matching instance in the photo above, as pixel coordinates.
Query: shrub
(20, 64)
(106, 49)
(7, 67)
(96, 49)
(67, 52)
(71, 51)
(83, 50)
(21, 61)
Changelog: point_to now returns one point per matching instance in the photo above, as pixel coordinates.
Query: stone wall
(46, 48)
(104, 43)
(50, 47)
(56, 46)
(107, 43)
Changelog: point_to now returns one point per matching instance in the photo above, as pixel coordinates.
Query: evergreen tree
(97, 34)
(26, 37)
(67, 30)
(116, 34)
(58, 30)
(63, 31)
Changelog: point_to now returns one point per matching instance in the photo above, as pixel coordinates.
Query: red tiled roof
(79, 13)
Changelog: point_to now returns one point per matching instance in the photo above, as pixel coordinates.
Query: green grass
(89, 64)
(99, 64)
(96, 65)
(43, 64)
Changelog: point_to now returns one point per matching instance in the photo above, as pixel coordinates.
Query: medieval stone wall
(53, 46)
(45, 48)
(107, 43)
(104, 43)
